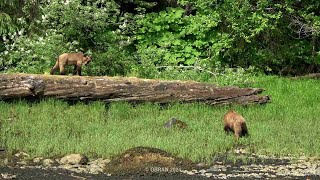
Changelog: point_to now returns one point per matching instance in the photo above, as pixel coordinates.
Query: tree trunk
(131, 89)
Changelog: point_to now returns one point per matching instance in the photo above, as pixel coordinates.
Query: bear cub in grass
(234, 122)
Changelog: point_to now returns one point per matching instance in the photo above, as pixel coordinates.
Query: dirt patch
(145, 160)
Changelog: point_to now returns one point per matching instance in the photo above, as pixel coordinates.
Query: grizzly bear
(234, 122)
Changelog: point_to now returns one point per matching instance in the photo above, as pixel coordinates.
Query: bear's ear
(86, 60)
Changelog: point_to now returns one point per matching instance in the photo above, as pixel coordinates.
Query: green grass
(287, 125)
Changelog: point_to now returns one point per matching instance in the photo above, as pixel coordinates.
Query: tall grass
(287, 125)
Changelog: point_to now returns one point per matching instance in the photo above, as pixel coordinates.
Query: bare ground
(151, 163)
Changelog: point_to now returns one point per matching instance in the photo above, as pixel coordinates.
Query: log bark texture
(129, 89)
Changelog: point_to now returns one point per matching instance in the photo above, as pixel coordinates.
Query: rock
(66, 166)
(74, 159)
(23, 162)
(8, 176)
(202, 171)
(201, 164)
(37, 160)
(195, 171)
(79, 170)
(208, 175)
(75, 168)
(47, 162)
(190, 173)
(173, 122)
(57, 160)
(6, 161)
(303, 166)
(222, 176)
(97, 166)
(240, 151)
(94, 169)
(100, 162)
(22, 155)
(213, 169)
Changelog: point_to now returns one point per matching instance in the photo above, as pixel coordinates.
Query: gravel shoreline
(279, 169)
(31, 173)
(76, 166)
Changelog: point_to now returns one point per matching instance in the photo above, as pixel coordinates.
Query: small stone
(37, 160)
(173, 122)
(22, 162)
(100, 162)
(222, 176)
(65, 166)
(74, 159)
(6, 161)
(104, 162)
(57, 160)
(291, 167)
(194, 171)
(302, 166)
(303, 158)
(297, 174)
(201, 164)
(79, 170)
(208, 175)
(214, 169)
(22, 155)
(94, 169)
(190, 173)
(47, 162)
(202, 171)
(8, 176)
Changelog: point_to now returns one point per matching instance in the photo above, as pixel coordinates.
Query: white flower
(4, 38)
(6, 52)
(67, 2)
(75, 42)
(20, 32)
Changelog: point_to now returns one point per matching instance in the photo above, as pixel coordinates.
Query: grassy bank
(287, 125)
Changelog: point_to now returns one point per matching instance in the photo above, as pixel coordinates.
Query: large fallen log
(129, 89)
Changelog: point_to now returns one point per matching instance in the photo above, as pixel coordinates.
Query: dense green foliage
(286, 126)
(197, 38)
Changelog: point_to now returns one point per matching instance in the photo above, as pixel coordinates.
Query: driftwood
(308, 76)
(130, 89)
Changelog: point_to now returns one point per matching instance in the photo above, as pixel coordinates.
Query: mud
(151, 163)
(145, 160)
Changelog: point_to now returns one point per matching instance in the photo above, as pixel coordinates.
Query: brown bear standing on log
(234, 122)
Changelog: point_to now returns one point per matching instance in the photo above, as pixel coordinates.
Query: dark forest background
(148, 38)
